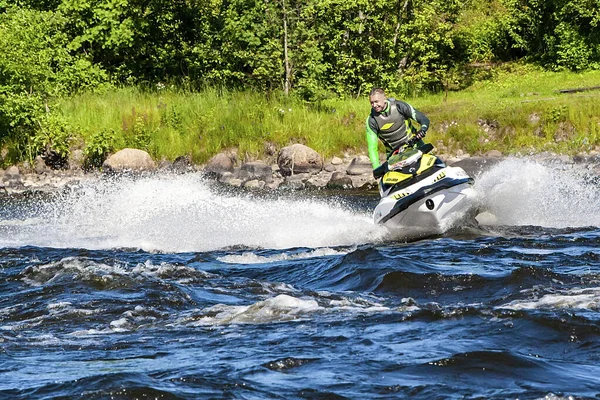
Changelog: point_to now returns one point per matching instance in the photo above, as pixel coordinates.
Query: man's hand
(380, 171)
(420, 135)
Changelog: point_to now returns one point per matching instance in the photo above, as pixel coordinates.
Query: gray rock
(330, 168)
(364, 182)
(340, 180)
(360, 165)
(39, 165)
(129, 160)
(296, 182)
(319, 180)
(493, 154)
(254, 184)
(12, 172)
(76, 159)
(182, 164)
(219, 164)
(235, 182)
(256, 170)
(298, 158)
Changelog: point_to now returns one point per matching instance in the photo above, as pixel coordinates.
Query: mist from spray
(183, 213)
(526, 191)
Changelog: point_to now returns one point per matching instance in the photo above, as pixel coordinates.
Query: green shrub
(98, 146)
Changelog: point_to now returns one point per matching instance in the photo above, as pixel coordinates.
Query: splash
(183, 213)
(520, 191)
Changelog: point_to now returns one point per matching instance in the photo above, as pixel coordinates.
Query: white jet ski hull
(430, 207)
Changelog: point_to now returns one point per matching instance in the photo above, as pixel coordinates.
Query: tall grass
(518, 111)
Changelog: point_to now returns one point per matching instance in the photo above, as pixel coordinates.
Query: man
(390, 121)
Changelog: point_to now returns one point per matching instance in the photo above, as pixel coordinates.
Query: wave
(527, 191)
(182, 213)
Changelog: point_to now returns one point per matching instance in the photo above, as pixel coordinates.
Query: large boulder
(298, 159)
(129, 160)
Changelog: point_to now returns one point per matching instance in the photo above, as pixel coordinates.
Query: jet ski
(420, 195)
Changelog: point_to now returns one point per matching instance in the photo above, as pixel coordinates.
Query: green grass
(521, 104)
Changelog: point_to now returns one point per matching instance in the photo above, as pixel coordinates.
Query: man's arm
(372, 144)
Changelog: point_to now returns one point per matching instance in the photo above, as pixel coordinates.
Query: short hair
(376, 90)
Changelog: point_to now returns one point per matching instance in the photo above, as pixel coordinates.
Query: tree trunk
(286, 60)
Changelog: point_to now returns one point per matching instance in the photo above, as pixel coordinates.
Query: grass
(518, 111)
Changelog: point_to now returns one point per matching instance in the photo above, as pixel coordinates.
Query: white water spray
(182, 213)
(520, 192)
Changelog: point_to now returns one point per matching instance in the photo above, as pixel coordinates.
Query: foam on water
(248, 257)
(523, 191)
(183, 213)
(587, 299)
(279, 308)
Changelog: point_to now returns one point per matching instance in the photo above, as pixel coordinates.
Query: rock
(336, 161)
(330, 168)
(13, 178)
(493, 154)
(76, 160)
(319, 180)
(274, 185)
(340, 180)
(535, 118)
(360, 165)
(182, 164)
(489, 126)
(565, 131)
(296, 182)
(364, 182)
(256, 170)
(298, 158)
(126, 160)
(226, 177)
(12, 172)
(39, 165)
(254, 184)
(219, 165)
(235, 182)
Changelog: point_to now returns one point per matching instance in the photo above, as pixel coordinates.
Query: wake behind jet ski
(420, 195)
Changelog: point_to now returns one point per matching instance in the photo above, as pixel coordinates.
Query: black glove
(420, 134)
(380, 171)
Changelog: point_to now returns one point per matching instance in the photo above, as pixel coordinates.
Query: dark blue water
(169, 288)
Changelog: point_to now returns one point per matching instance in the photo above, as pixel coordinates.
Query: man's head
(377, 99)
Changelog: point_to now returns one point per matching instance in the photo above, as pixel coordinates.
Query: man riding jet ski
(420, 195)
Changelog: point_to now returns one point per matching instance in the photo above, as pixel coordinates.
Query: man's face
(377, 102)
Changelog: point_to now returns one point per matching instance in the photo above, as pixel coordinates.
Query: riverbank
(348, 172)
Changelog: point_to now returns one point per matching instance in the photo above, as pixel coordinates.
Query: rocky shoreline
(297, 168)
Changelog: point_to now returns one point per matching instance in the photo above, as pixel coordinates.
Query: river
(169, 287)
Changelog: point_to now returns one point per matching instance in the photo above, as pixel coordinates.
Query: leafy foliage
(36, 68)
(99, 146)
(319, 49)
